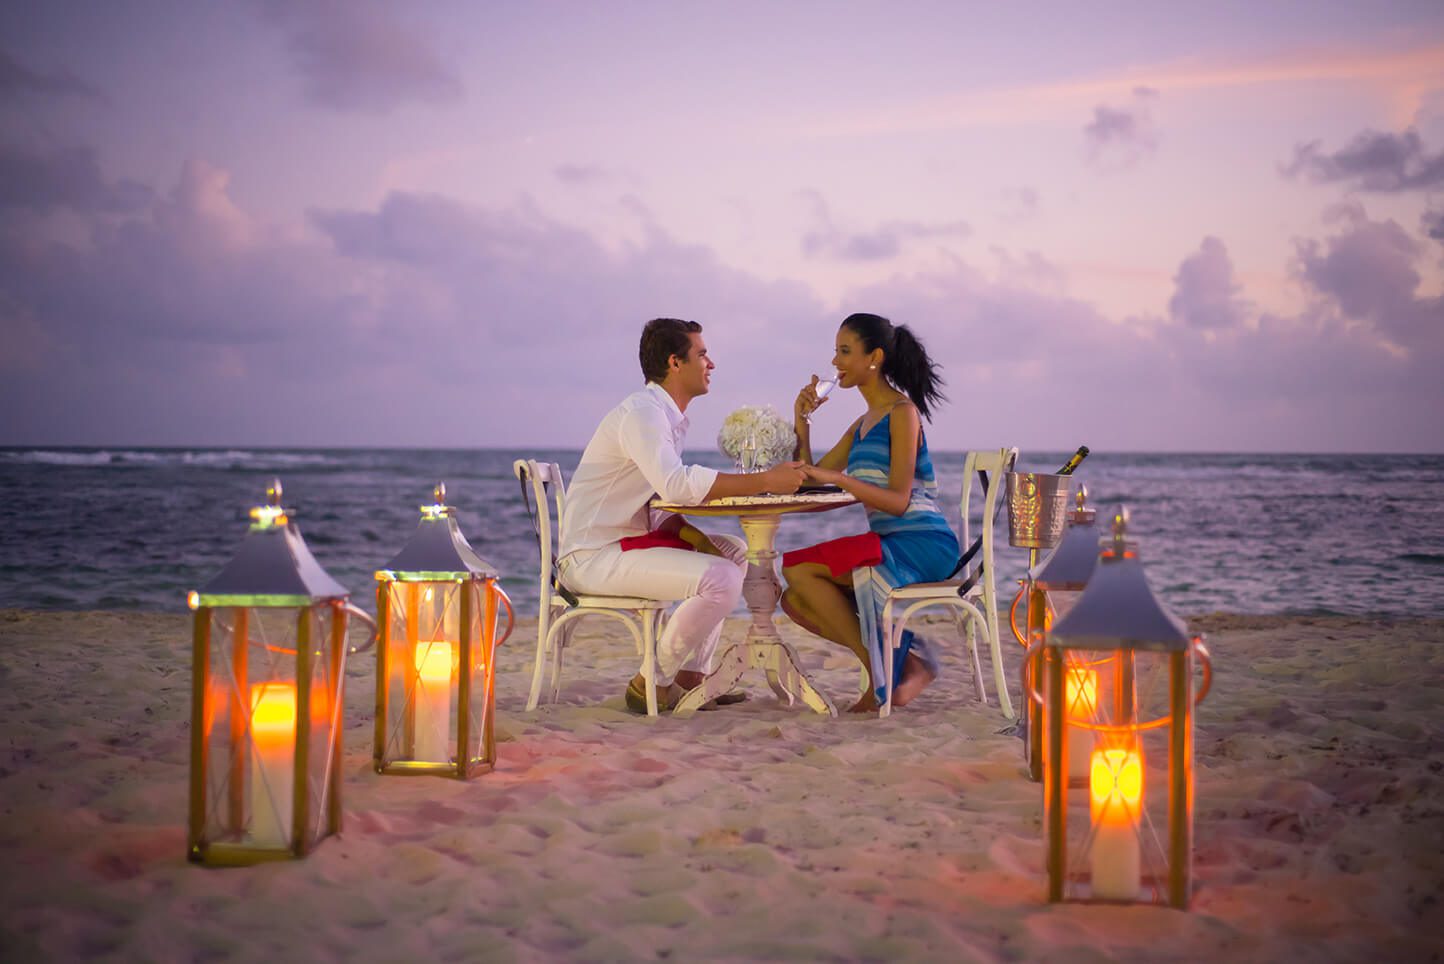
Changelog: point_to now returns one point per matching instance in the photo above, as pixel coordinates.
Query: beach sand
(754, 832)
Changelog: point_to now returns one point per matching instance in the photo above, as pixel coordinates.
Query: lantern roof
(436, 551)
(1069, 566)
(1118, 610)
(273, 566)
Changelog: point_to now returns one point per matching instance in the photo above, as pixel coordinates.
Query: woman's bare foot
(915, 678)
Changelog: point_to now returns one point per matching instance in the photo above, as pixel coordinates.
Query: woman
(883, 461)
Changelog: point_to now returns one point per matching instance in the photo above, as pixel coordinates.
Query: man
(635, 454)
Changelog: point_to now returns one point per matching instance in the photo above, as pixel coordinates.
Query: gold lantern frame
(1063, 575)
(437, 592)
(273, 608)
(1119, 621)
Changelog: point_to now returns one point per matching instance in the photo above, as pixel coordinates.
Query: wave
(198, 458)
(1429, 558)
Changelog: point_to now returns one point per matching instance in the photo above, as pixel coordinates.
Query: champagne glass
(822, 389)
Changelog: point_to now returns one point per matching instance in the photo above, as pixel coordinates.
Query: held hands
(824, 476)
(783, 479)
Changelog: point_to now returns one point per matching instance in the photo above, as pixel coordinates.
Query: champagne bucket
(1037, 509)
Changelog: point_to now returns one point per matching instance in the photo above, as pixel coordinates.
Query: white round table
(763, 648)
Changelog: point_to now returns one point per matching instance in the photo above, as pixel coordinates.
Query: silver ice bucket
(1037, 509)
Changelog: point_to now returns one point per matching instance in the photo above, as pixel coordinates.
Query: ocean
(136, 528)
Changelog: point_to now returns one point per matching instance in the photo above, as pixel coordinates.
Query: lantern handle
(365, 617)
(510, 614)
(1202, 652)
(1027, 671)
(1013, 614)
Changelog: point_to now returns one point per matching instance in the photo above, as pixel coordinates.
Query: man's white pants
(710, 587)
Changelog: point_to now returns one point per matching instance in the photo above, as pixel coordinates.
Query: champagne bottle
(1074, 460)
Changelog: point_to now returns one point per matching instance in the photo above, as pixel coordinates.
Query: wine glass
(822, 389)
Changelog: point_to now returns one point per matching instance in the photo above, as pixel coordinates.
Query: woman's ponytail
(909, 368)
(905, 362)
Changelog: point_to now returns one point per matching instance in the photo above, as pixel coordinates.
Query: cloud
(1368, 272)
(64, 178)
(1120, 137)
(358, 57)
(827, 240)
(15, 77)
(1021, 204)
(425, 321)
(1373, 161)
(422, 320)
(1402, 74)
(1205, 294)
(1028, 365)
(582, 175)
(1431, 225)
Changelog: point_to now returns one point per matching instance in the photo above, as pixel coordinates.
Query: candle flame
(433, 662)
(1115, 784)
(1082, 692)
(273, 710)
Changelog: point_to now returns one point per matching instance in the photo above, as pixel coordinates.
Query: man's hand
(783, 479)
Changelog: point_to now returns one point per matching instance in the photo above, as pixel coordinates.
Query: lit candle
(433, 702)
(273, 754)
(1082, 700)
(1115, 795)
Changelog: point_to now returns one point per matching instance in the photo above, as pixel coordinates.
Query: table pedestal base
(763, 648)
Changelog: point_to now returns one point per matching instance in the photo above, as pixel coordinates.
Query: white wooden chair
(983, 590)
(559, 609)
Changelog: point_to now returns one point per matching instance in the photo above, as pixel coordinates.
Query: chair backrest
(548, 489)
(996, 464)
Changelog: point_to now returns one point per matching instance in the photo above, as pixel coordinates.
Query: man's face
(694, 373)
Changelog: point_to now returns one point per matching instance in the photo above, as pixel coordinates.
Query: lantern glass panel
(485, 613)
(256, 723)
(1119, 813)
(427, 683)
(423, 646)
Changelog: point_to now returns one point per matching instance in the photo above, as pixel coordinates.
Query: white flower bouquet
(756, 438)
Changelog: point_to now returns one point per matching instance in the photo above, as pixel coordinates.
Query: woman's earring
(872, 368)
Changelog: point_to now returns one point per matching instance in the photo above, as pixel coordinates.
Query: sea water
(135, 529)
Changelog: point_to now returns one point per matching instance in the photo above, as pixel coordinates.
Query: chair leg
(534, 697)
(890, 641)
(559, 643)
(649, 659)
(967, 631)
(1000, 678)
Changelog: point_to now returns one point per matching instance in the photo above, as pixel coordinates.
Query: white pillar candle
(1115, 797)
(273, 757)
(1082, 700)
(433, 701)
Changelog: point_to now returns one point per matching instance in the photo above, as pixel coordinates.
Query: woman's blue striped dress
(917, 546)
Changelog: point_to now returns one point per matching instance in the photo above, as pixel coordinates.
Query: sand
(754, 832)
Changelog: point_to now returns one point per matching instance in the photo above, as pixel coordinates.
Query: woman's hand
(824, 476)
(807, 402)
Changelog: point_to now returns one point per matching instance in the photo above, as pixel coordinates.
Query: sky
(1137, 226)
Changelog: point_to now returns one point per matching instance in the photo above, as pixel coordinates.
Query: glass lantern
(438, 605)
(268, 663)
(1053, 586)
(1127, 835)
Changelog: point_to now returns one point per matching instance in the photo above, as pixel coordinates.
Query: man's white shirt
(636, 453)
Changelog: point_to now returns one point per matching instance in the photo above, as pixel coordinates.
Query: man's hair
(661, 339)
